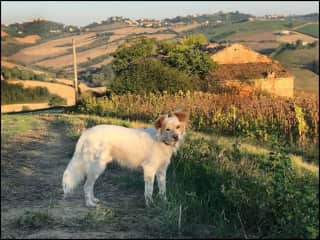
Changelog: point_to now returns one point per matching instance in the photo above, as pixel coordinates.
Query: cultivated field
(64, 91)
(22, 107)
(28, 39)
(186, 27)
(310, 29)
(299, 62)
(50, 49)
(123, 32)
(58, 55)
(67, 60)
(269, 36)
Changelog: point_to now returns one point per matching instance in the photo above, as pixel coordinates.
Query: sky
(84, 12)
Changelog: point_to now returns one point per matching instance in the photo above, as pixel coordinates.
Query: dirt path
(32, 165)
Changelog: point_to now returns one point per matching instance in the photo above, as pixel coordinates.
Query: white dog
(149, 148)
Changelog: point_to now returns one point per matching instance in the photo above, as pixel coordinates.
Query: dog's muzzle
(175, 137)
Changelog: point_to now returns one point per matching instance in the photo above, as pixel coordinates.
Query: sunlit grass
(11, 125)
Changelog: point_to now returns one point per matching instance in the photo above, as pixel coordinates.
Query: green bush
(146, 65)
(150, 75)
(55, 100)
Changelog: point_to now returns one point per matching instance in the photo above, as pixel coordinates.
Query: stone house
(241, 67)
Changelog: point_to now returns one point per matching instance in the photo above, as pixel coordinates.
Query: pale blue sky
(85, 12)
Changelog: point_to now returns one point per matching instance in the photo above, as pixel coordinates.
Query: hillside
(21, 35)
(97, 41)
(304, 65)
(310, 29)
(29, 78)
(41, 27)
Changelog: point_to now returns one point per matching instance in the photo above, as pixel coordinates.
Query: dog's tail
(75, 171)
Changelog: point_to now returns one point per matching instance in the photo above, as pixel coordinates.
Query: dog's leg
(93, 174)
(148, 184)
(161, 179)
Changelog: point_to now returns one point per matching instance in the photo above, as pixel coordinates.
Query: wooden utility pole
(75, 71)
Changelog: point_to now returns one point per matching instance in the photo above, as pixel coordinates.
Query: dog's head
(171, 127)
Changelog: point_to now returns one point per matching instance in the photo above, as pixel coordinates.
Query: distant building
(285, 32)
(55, 31)
(248, 70)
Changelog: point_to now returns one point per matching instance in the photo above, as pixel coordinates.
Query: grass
(311, 29)
(305, 79)
(296, 61)
(227, 184)
(298, 57)
(96, 216)
(226, 187)
(11, 125)
(32, 220)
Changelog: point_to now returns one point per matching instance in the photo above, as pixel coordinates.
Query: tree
(151, 75)
(195, 40)
(140, 47)
(143, 65)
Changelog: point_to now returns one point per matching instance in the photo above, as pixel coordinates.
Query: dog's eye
(167, 129)
(178, 127)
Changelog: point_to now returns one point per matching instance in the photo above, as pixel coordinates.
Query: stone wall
(278, 86)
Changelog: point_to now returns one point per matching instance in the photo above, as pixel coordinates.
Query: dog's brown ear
(159, 122)
(182, 116)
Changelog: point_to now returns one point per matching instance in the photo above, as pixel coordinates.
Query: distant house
(283, 32)
(55, 31)
(242, 67)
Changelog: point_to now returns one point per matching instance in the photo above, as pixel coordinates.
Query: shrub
(55, 100)
(150, 75)
(147, 65)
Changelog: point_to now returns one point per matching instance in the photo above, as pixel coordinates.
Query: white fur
(149, 148)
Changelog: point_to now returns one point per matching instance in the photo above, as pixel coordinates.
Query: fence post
(75, 71)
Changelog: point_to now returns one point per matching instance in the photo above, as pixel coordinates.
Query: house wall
(278, 86)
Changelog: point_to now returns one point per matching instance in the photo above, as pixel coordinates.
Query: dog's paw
(163, 198)
(95, 200)
(149, 203)
(90, 204)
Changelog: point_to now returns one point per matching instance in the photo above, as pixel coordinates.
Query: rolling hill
(52, 51)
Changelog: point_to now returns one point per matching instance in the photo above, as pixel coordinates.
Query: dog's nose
(175, 137)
